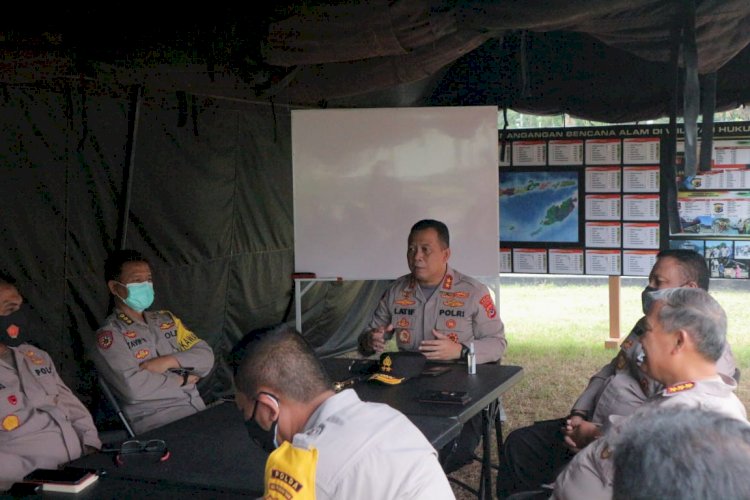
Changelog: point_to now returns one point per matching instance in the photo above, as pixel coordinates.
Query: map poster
(638, 262)
(566, 152)
(714, 213)
(603, 151)
(603, 206)
(603, 234)
(640, 235)
(530, 260)
(640, 179)
(640, 207)
(603, 262)
(505, 261)
(566, 261)
(640, 150)
(603, 179)
(539, 206)
(529, 153)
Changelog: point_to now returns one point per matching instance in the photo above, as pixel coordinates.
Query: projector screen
(363, 177)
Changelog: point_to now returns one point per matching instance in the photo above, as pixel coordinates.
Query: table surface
(212, 455)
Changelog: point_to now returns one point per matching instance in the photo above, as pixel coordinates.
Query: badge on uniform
(104, 339)
(10, 422)
(142, 353)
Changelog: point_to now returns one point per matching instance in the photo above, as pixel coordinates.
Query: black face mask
(646, 299)
(14, 327)
(266, 439)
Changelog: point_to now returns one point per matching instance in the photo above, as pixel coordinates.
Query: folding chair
(109, 436)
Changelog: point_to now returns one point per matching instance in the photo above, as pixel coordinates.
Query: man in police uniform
(684, 336)
(438, 311)
(42, 423)
(151, 359)
(534, 455)
(325, 445)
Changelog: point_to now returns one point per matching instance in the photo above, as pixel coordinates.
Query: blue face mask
(140, 295)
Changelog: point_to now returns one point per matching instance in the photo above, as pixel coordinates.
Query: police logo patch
(403, 323)
(404, 336)
(489, 306)
(453, 303)
(10, 422)
(142, 353)
(130, 334)
(405, 302)
(12, 399)
(451, 324)
(448, 282)
(453, 336)
(104, 339)
(13, 331)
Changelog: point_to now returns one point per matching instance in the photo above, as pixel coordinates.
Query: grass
(557, 333)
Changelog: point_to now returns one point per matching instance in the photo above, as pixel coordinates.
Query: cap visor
(386, 379)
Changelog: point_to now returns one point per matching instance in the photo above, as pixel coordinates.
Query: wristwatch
(464, 352)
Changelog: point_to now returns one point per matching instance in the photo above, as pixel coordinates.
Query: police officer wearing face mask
(533, 455)
(42, 423)
(151, 360)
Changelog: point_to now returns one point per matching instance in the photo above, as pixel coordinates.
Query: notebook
(67, 480)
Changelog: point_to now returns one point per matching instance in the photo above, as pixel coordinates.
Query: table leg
(485, 488)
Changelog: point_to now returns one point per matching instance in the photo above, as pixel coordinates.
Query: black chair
(111, 422)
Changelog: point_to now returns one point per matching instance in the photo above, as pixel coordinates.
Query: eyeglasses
(135, 447)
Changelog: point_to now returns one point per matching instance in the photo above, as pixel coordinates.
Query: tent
(180, 119)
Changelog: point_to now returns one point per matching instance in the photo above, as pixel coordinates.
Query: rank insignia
(34, 357)
(124, 318)
(167, 325)
(453, 336)
(10, 422)
(489, 307)
(403, 323)
(13, 331)
(682, 386)
(104, 339)
(404, 336)
(130, 334)
(448, 282)
(606, 452)
(142, 353)
(450, 324)
(12, 399)
(405, 302)
(462, 295)
(453, 303)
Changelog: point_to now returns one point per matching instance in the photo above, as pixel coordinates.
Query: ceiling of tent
(606, 60)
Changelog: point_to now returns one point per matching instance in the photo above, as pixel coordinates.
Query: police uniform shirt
(461, 308)
(591, 472)
(151, 399)
(42, 423)
(361, 450)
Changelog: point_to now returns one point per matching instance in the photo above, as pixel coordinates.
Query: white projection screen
(363, 177)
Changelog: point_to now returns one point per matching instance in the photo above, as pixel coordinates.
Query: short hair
(7, 279)
(284, 362)
(692, 264)
(115, 261)
(695, 311)
(681, 452)
(441, 229)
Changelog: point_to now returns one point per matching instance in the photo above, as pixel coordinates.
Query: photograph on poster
(540, 206)
(694, 245)
(721, 261)
(715, 213)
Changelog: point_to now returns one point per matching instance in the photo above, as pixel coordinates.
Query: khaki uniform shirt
(460, 307)
(590, 474)
(151, 399)
(621, 387)
(42, 423)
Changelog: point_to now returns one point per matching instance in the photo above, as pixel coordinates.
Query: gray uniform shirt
(621, 387)
(42, 423)
(151, 399)
(591, 472)
(461, 308)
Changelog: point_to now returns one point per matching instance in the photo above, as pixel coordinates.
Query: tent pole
(136, 98)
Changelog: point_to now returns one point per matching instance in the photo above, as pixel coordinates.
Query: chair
(109, 408)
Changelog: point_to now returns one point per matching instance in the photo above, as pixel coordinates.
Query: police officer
(438, 311)
(42, 423)
(151, 359)
(684, 337)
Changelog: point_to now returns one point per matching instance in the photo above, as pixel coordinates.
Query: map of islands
(537, 207)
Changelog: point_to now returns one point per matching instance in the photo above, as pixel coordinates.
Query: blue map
(539, 207)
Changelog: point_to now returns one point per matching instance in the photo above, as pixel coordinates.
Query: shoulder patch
(104, 339)
(489, 306)
(681, 387)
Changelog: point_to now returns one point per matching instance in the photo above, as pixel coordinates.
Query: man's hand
(578, 433)
(442, 348)
(376, 337)
(192, 379)
(160, 364)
